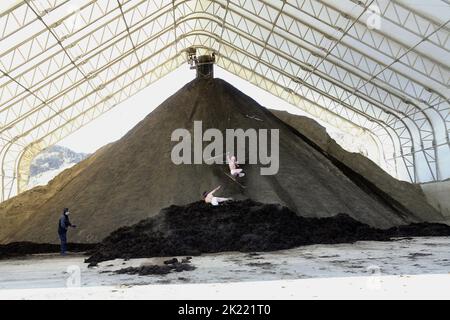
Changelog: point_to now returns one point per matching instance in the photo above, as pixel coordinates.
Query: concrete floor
(365, 264)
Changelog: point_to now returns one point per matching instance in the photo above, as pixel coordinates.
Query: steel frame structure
(62, 66)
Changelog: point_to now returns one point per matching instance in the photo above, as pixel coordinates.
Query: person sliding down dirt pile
(209, 197)
(233, 164)
(244, 226)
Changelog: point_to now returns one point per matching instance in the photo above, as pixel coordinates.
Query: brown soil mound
(407, 194)
(239, 226)
(134, 178)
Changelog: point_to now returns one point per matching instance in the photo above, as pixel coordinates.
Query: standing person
(210, 198)
(235, 171)
(63, 225)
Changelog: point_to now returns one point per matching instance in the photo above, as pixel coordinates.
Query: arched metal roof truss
(375, 66)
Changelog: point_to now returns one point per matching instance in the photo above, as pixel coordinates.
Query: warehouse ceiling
(377, 66)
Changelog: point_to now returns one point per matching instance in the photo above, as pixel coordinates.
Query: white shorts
(216, 200)
(237, 172)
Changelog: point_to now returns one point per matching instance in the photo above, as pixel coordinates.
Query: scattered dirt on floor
(17, 249)
(245, 226)
(172, 265)
(260, 264)
(418, 255)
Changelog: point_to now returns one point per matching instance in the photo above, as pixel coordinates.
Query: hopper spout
(205, 66)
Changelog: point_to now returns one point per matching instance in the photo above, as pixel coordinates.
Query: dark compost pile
(240, 226)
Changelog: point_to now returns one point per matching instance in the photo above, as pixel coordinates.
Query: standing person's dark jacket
(64, 223)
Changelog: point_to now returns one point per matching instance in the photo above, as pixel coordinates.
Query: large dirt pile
(134, 178)
(239, 226)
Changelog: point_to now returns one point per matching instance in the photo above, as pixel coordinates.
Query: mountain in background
(51, 162)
